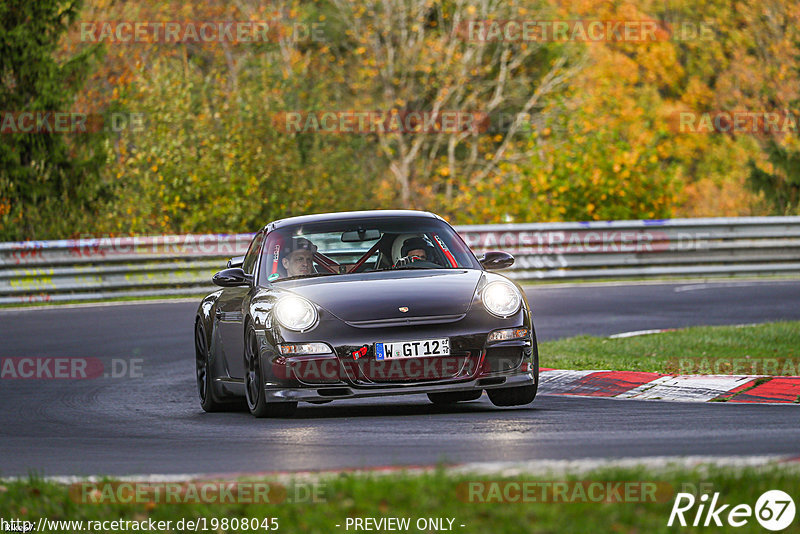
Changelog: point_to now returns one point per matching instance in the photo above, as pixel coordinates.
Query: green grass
(438, 494)
(775, 347)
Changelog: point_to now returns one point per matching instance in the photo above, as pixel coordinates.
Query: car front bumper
(344, 391)
(351, 369)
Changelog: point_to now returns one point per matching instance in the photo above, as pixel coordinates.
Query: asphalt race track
(153, 423)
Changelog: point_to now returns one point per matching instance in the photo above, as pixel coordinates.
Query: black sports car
(362, 304)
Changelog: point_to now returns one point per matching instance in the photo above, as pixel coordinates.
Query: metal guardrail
(111, 267)
(99, 268)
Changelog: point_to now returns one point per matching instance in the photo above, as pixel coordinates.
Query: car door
(231, 310)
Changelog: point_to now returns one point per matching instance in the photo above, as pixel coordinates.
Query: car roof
(348, 215)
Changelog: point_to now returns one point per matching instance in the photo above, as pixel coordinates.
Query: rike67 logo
(774, 510)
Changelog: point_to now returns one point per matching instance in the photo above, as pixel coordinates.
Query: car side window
(252, 253)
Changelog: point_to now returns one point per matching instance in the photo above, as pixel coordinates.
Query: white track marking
(559, 379)
(701, 286)
(635, 333)
(686, 388)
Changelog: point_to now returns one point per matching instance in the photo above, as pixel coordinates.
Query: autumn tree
(210, 158)
(572, 130)
(420, 56)
(772, 59)
(49, 183)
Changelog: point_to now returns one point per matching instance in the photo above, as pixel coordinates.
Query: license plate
(412, 349)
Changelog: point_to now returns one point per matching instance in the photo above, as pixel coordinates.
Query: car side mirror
(495, 259)
(233, 277)
(236, 261)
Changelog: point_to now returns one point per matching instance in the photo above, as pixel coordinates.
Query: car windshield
(343, 247)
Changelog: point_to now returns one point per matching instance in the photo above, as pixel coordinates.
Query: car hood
(380, 296)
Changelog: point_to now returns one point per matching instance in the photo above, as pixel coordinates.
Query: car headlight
(295, 313)
(501, 299)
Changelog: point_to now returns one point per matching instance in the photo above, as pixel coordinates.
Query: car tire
(520, 395)
(203, 373)
(450, 397)
(254, 382)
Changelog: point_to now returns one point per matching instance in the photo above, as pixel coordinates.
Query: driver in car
(300, 261)
(415, 250)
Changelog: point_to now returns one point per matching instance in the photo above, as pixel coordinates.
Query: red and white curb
(658, 386)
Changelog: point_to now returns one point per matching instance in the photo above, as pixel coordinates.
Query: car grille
(407, 321)
(414, 370)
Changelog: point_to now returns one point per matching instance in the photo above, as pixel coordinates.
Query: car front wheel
(254, 383)
(519, 395)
